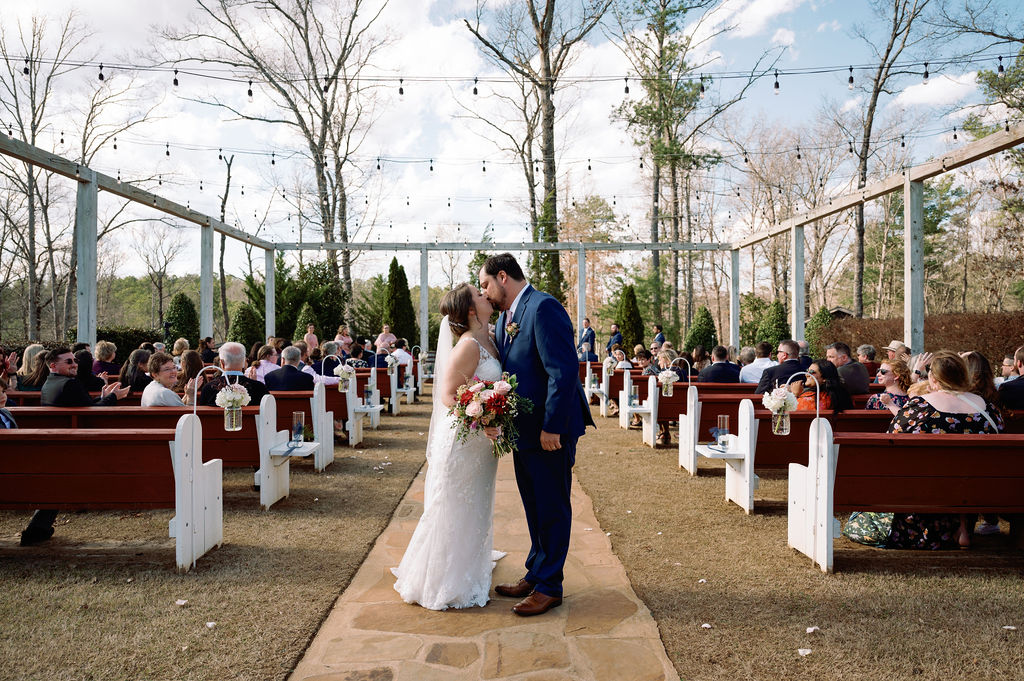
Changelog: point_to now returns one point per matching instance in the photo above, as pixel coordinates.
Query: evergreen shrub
(701, 332)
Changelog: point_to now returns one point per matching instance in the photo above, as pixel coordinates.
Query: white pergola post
(424, 302)
(913, 264)
(85, 228)
(797, 300)
(734, 298)
(205, 281)
(269, 294)
(581, 290)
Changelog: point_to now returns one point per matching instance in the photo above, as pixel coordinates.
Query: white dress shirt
(515, 304)
(752, 372)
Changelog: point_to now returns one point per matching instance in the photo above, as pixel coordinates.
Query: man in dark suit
(659, 337)
(616, 339)
(232, 361)
(380, 360)
(1012, 392)
(855, 376)
(586, 336)
(289, 376)
(720, 370)
(788, 356)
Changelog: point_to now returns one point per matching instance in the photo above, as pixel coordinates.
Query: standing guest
(356, 360)
(232, 361)
(897, 349)
(866, 356)
(659, 337)
(266, 361)
(894, 374)
(822, 382)
(788, 356)
(751, 373)
(310, 338)
(106, 352)
(344, 340)
(1009, 371)
(206, 350)
(37, 376)
(289, 376)
(180, 346)
(191, 366)
(133, 373)
(404, 358)
(853, 373)
(586, 335)
(384, 340)
(160, 391)
(92, 383)
(616, 339)
(721, 370)
(585, 354)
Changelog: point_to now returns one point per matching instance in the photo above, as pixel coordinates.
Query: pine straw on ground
(882, 614)
(98, 600)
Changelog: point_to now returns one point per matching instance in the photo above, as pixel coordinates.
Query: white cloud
(852, 104)
(941, 90)
(753, 17)
(783, 36)
(833, 26)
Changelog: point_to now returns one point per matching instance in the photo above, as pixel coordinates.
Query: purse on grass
(869, 528)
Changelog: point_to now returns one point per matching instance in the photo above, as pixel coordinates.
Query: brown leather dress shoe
(517, 590)
(536, 604)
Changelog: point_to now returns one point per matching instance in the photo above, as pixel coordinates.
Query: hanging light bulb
(160, 180)
(613, 199)
(115, 144)
(243, 190)
(489, 205)
(101, 73)
(776, 87)
(62, 137)
(641, 163)
(431, 165)
(954, 133)
(485, 166)
(702, 86)
(118, 174)
(903, 142)
(1001, 72)
(626, 89)
(167, 149)
(449, 202)
(849, 81)
(1007, 125)
(407, 200)
(25, 71)
(746, 159)
(588, 164)
(401, 90)
(272, 159)
(378, 163)
(327, 85)
(175, 81)
(925, 79)
(220, 154)
(798, 156)
(851, 146)
(200, 185)
(475, 91)
(249, 92)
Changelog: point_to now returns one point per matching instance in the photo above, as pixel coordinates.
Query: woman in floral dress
(894, 375)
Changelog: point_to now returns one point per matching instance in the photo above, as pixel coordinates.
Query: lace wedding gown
(449, 560)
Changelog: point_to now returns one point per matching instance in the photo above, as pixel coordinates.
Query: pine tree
(305, 318)
(702, 331)
(246, 326)
(398, 310)
(182, 319)
(814, 331)
(773, 328)
(631, 325)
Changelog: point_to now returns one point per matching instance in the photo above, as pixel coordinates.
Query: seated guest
(751, 373)
(254, 351)
(636, 348)
(356, 360)
(620, 360)
(1012, 392)
(699, 359)
(788, 355)
(380, 359)
(866, 356)
(160, 391)
(28, 365)
(1009, 371)
(721, 370)
(180, 346)
(6, 419)
(315, 355)
(897, 350)
(148, 347)
(80, 345)
(805, 354)
(644, 360)
(232, 361)
(405, 359)
(35, 378)
(983, 383)
(289, 376)
(8, 363)
(655, 349)
(326, 364)
(133, 372)
(85, 375)
(158, 347)
(746, 357)
(894, 374)
(266, 361)
(106, 352)
(585, 354)
(191, 365)
(950, 407)
(853, 373)
(206, 350)
(822, 382)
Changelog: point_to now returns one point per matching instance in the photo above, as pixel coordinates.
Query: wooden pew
(30, 398)
(312, 403)
(274, 474)
(898, 473)
(641, 406)
(90, 469)
(366, 385)
(347, 405)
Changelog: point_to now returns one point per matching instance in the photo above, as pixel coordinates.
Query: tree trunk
(550, 264)
(689, 254)
(34, 311)
(655, 256)
(674, 179)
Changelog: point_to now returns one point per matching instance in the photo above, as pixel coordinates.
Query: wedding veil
(445, 341)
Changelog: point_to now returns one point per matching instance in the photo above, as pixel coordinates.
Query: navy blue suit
(616, 339)
(288, 377)
(720, 372)
(586, 336)
(542, 357)
(659, 338)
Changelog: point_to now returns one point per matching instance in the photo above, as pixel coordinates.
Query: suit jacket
(805, 362)
(720, 372)
(587, 336)
(288, 377)
(780, 373)
(543, 359)
(589, 357)
(9, 419)
(208, 396)
(659, 338)
(68, 391)
(616, 338)
(855, 378)
(380, 361)
(1012, 393)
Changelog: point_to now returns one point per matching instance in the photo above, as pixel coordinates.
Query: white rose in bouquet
(232, 396)
(344, 371)
(667, 376)
(779, 401)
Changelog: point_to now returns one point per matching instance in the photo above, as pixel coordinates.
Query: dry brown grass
(882, 615)
(98, 600)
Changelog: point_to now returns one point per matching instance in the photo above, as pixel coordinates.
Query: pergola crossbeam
(500, 246)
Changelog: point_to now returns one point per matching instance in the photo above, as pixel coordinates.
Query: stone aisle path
(602, 631)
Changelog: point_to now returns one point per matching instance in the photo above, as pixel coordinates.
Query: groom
(535, 341)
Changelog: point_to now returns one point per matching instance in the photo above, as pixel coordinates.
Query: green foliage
(246, 326)
(752, 308)
(305, 318)
(314, 283)
(702, 331)
(127, 338)
(814, 331)
(631, 325)
(368, 307)
(774, 328)
(545, 267)
(182, 318)
(398, 310)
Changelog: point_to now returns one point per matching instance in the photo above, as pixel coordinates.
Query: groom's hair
(504, 262)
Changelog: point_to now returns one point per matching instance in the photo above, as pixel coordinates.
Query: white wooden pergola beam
(498, 246)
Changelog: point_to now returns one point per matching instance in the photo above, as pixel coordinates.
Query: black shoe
(31, 536)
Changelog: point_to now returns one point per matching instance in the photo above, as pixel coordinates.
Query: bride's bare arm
(461, 367)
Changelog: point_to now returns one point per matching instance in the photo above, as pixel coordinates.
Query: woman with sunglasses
(832, 393)
(894, 374)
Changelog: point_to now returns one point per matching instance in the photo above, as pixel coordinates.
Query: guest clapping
(894, 374)
(160, 391)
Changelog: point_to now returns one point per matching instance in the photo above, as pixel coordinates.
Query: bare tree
(311, 71)
(223, 242)
(158, 246)
(536, 43)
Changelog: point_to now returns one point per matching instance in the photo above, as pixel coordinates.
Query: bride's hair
(456, 304)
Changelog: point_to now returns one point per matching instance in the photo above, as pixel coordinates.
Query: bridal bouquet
(667, 379)
(494, 404)
(780, 402)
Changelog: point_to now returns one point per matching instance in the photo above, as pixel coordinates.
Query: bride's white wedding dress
(449, 560)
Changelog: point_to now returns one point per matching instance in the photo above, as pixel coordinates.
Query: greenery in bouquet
(779, 401)
(233, 396)
(490, 404)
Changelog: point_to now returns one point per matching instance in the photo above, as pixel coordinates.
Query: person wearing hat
(897, 350)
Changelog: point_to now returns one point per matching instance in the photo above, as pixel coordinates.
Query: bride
(449, 561)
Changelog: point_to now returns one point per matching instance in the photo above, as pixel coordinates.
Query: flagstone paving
(602, 631)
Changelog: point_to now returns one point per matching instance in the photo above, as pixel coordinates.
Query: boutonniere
(511, 329)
